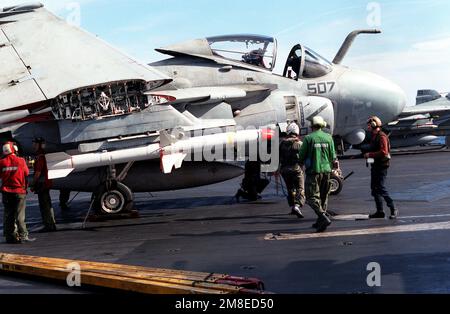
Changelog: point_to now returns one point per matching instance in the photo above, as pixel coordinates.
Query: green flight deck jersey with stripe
(317, 152)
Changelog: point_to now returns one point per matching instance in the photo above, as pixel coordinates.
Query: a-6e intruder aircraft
(114, 126)
(423, 123)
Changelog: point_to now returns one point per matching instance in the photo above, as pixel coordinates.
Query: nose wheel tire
(115, 200)
(337, 184)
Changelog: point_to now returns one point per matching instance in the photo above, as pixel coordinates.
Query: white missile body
(10, 116)
(60, 165)
(171, 150)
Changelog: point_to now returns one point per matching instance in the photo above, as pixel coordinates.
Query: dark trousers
(45, 205)
(317, 191)
(14, 216)
(295, 184)
(379, 191)
(64, 197)
(252, 184)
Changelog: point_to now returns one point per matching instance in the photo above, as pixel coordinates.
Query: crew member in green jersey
(318, 155)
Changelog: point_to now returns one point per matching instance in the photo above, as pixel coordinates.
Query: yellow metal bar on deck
(122, 277)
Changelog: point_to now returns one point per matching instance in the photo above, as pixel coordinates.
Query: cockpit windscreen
(254, 50)
(315, 65)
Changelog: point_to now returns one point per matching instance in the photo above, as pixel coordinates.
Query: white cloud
(434, 45)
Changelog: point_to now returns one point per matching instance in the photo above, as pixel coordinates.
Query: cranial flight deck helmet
(293, 129)
(318, 121)
(9, 148)
(374, 122)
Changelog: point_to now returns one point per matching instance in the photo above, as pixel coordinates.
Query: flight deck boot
(394, 213)
(378, 215)
(27, 240)
(380, 211)
(297, 211)
(240, 193)
(323, 223)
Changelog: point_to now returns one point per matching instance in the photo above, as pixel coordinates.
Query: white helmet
(319, 122)
(9, 148)
(293, 129)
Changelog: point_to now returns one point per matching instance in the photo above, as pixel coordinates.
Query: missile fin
(165, 139)
(59, 173)
(57, 165)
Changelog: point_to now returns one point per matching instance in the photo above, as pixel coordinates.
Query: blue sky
(413, 49)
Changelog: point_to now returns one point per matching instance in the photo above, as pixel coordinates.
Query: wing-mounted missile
(61, 164)
(412, 140)
(172, 150)
(170, 160)
(217, 146)
(413, 130)
(10, 116)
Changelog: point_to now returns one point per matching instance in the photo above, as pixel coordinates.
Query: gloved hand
(336, 164)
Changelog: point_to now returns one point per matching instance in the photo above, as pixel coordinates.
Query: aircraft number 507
(321, 88)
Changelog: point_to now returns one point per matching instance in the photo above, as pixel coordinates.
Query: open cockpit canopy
(255, 50)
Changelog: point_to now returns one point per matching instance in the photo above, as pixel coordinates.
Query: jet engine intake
(311, 106)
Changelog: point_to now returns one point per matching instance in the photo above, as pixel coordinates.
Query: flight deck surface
(205, 230)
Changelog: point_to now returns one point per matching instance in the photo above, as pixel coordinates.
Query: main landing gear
(112, 196)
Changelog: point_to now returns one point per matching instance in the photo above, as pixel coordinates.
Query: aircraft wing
(431, 108)
(419, 129)
(210, 94)
(41, 57)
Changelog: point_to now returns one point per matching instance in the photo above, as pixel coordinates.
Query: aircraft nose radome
(367, 93)
(402, 100)
(386, 98)
(396, 99)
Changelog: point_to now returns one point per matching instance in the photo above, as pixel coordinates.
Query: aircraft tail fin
(59, 165)
(426, 95)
